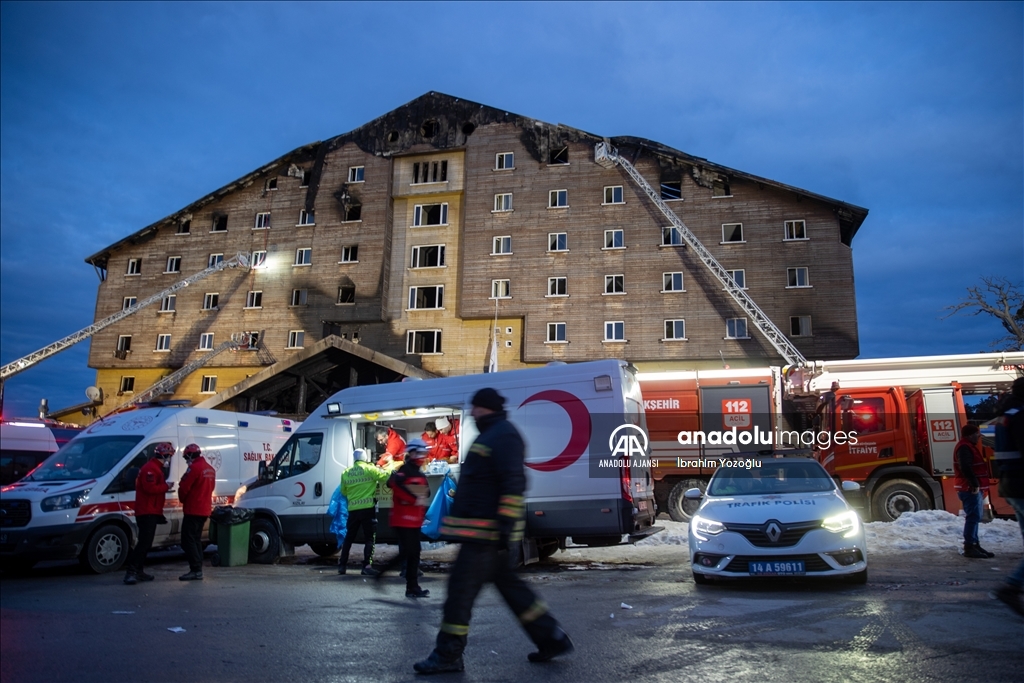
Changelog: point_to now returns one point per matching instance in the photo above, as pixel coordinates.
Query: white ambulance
(588, 469)
(79, 503)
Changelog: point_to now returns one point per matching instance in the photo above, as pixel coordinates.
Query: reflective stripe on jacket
(359, 484)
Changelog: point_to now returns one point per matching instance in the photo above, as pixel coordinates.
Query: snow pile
(674, 534)
(938, 530)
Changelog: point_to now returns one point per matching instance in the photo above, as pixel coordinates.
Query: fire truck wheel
(264, 542)
(324, 549)
(106, 550)
(679, 508)
(894, 497)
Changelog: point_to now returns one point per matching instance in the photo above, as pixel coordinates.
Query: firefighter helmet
(191, 452)
(163, 450)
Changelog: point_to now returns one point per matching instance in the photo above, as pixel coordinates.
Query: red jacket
(979, 468)
(395, 448)
(150, 488)
(405, 483)
(196, 488)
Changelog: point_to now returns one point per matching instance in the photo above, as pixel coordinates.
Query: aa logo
(628, 441)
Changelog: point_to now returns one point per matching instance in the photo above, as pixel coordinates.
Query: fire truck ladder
(607, 156)
(168, 383)
(24, 363)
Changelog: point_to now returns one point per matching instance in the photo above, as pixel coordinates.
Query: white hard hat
(442, 423)
(360, 454)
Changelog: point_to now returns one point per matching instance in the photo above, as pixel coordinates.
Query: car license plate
(777, 568)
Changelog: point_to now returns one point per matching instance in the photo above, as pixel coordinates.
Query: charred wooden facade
(411, 233)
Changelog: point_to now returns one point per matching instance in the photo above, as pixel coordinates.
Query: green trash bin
(231, 537)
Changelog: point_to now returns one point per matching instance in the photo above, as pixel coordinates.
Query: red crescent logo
(302, 489)
(579, 416)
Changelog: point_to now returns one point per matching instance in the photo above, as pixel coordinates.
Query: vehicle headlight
(704, 527)
(64, 501)
(241, 491)
(846, 523)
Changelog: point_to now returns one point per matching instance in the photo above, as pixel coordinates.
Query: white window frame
(610, 192)
(168, 304)
(215, 259)
(254, 299)
(206, 341)
(672, 274)
(801, 333)
(128, 302)
(553, 287)
(733, 323)
(553, 330)
(613, 232)
(122, 345)
(794, 273)
(502, 203)
(438, 298)
(615, 327)
(410, 342)
(743, 276)
(793, 224)
(502, 161)
(556, 196)
(356, 174)
(416, 256)
(262, 221)
(127, 385)
(741, 240)
(270, 185)
(173, 264)
(207, 300)
(303, 256)
(350, 253)
(667, 234)
(296, 339)
(418, 214)
(184, 228)
(163, 343)
(673, 322)
(258, 259)
(208, 384)
(499, 243)
(299, 297)
(611, 280)
(499, 285)
(556, 235)
(252, 340)
(134, 267)
(306, 218)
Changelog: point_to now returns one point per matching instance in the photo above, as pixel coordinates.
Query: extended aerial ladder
(26, 362)
(607, 156)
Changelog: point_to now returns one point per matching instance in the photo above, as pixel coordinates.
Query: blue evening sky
(113, 116)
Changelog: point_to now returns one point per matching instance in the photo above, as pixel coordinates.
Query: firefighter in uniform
(971, 480)
(195, 491)
(486, 515)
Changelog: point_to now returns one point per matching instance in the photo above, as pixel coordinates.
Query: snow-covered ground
(925, 530)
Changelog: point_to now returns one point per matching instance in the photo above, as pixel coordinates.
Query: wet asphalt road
(920, 618)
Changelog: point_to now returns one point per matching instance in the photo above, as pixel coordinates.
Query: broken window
(353, 212)
(124, 343)
(501, 289)
(613, 195)
(796, 230)
(429, 172)
(251, 340)
(558, 199)
(430, 214)
(206, 341)
(299, 297)
(429, 128)
(672, 282)
(423, 341)
(736, 328)
(262, 221)
(168, 303)
(503, 202)
(426, 297)
(209, 384)
(128, 302)
(558, 241)
(675, 329)
(307, 217)
(127, 384)
(296, 338)
(163, 342)
(504, 161)
(732, 232)
(173, 264)
(614, 284)
(720, 187)
(797, 277)
(613, 239)
(671, 190)
(134, 266)
(210, 301)
(254, 299)
(271, 184)
(800, 326)
(558, 286)
(347, 294)
(184, 227)
(427, 256)
(355, 174)
(304, 179)
(259, 259)
(350, 254)
(502, 245)
(559, 156)
(303, 256)
(220, 223)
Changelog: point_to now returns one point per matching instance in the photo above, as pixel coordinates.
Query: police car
(765, 517)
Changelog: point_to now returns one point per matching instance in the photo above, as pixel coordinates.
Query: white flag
(492, 363)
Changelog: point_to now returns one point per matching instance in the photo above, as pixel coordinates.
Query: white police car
(775, 517)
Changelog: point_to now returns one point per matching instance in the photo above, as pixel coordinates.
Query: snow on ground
(939, 530)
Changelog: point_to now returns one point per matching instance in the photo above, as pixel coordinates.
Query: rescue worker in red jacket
(971, 480)
(394, 446)
(195, 491)
(151, 487)
(410, 493)
(446, 444)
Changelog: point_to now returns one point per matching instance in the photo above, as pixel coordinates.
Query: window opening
(732, 232)
(559, 156)
(556, 332)
(675, 329)
(558, 286)
(347, 294)
(427, 256)
(423, 341)
(426, 297)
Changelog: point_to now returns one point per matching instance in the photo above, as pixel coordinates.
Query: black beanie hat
(490, 399)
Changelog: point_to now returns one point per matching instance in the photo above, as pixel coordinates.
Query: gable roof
(452, 121)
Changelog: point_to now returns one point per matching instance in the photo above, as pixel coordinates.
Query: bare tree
(1001, 298)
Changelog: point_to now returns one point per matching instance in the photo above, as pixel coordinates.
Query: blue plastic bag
(338, 510)
(439, 508)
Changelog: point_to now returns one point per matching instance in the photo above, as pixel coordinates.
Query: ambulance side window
(300, 453)
(125, 480)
